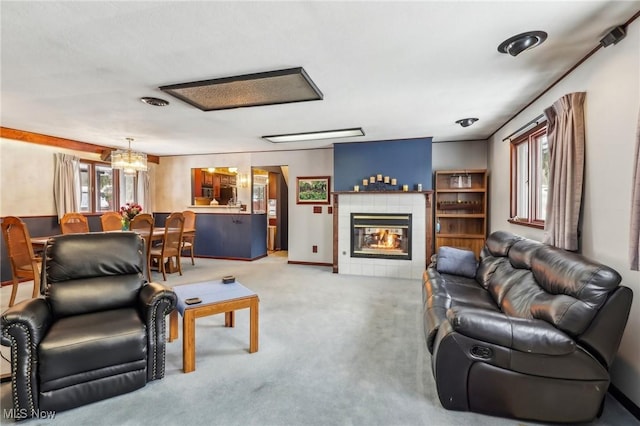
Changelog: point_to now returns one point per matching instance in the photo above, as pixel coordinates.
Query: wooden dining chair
(143, 224)
(74, 223)
(189, 232)
(24, 264)
(111, 221)
(171, 244)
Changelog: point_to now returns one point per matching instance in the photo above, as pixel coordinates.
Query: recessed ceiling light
(309, 136)
(466, 122)
(521, 42)
(154, 101)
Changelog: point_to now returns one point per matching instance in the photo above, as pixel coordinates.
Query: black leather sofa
(98, 332)
(528, 332)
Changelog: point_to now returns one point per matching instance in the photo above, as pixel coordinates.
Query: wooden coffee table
(216, 298)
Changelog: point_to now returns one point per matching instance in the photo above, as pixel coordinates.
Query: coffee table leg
(230, 319)
(188, 341)
(253, 326)
(173, 325)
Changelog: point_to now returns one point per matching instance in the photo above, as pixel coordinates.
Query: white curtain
(566, 137)
(144, 192)
(66, 184)
(634, 235)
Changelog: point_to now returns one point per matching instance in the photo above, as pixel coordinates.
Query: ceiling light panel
(310, 136)
(267, 88)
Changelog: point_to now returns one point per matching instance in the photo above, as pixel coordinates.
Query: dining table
(38, 243)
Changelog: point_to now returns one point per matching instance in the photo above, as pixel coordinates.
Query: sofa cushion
(486, 269)
(578, 287)
(457, 262)
(524, 335)
(499, 243)
(521, 252)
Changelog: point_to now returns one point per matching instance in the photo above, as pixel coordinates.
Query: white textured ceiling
(397, 69)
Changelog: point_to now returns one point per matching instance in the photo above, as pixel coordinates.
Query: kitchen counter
(227, 233)
(224, 209)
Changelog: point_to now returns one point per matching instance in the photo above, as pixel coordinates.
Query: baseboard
(625, 401)
(6, 377)
(296, 262)
(21, 280)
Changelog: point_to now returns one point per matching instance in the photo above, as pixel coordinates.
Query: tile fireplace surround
(418, 204)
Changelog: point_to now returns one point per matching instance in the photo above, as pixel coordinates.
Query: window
(530, 177)
(105, 195)
(101, 188)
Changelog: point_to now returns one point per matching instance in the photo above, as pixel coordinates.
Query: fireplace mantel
(381, 192)
(428, 228)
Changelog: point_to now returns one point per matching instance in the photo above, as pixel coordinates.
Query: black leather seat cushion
(467, 292)
(81, 347)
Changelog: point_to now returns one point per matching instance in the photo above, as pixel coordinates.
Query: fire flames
(385, 240)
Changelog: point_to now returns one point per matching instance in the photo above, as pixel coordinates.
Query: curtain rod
(535, 121)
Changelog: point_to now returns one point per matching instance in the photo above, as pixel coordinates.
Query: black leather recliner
(531, 335)
(98, 332)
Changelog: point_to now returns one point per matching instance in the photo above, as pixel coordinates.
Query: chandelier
(129, 161)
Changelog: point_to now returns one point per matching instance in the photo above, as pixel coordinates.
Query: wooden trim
(383, 192)
(529, 224)
(296, 262)
(20, 281)
(428, 213)
(40, 139)
(335, 233)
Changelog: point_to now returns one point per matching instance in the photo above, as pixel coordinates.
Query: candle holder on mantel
(381, 186)
(379, 183)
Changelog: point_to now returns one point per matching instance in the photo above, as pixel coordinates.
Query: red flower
(130, 210)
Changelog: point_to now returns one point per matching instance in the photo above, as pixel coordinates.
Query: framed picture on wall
(313, 190)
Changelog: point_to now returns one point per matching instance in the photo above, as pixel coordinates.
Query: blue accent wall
(407, 160)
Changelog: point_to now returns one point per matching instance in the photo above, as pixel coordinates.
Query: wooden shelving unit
(461, 209)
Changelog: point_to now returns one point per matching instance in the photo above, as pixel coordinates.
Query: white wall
(26, 177)
(611, 78)
(459, 155)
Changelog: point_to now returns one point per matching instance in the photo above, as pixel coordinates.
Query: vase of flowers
(128, 212)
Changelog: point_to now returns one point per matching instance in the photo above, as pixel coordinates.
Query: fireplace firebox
(378, 235)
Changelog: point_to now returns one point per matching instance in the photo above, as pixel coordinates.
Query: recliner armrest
(524, 335)
(152, 293)
(23, 327)
(155, 302)
(32, 317)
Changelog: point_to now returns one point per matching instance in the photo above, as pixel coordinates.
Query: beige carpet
(334, 350)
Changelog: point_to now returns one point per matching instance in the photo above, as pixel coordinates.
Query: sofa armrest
(524, 335)
(23, 327)
(155, 303)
